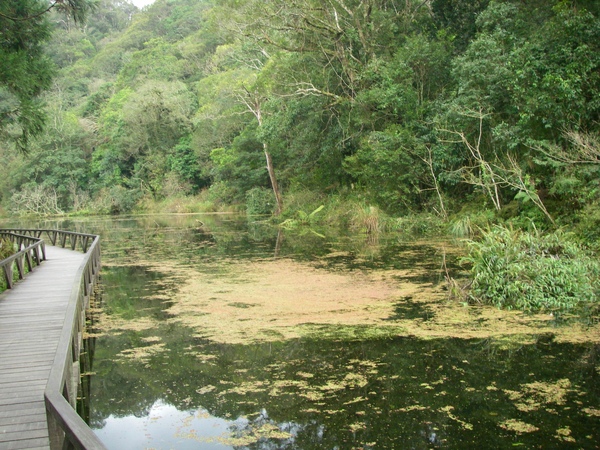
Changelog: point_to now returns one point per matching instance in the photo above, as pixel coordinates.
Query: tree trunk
(271, 171)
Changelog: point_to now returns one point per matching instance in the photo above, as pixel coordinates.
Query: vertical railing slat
(19, 262)
(8, 274)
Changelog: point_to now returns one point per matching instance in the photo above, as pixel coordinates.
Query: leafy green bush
(302, 219)
(302, 200)
(222, 193)
(260, 201)
(514, 269)
(116, 200)
(588, 226)
(123, 199)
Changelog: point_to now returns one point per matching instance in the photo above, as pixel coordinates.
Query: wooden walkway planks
(31, 319)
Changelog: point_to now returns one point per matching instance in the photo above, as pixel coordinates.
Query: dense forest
(468, 111)
(409, 105)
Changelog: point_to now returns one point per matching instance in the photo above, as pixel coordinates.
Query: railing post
(43, 251)
(28, 261)
(55, 432)
(8, 275)
(19, 261)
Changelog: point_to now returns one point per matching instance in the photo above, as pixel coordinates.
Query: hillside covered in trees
(411, 106)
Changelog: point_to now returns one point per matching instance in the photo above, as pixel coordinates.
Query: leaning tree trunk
(271, 171)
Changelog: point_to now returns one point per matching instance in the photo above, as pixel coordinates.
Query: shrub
(303, 219)
(222, 193)
(116, 200)
(588, 227)
(532, 271)
(466, 225)
(461, 227)
(123, 199)
(260, 201)
(301, 200)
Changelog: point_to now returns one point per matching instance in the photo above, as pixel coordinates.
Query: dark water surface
(315, 393)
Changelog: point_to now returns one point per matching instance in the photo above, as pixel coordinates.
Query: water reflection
(164, 426)
(160, 384)
(392, 393)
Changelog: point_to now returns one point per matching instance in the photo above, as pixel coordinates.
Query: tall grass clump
(461, 227)
(418, 224)
(467, 224)
(333, 210)
(515, 269)
(7, 248)
(367, 218)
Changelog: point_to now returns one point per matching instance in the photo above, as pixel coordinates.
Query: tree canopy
(409, 105)
(25, 69)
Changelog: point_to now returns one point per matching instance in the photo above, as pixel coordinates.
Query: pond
(221, 332)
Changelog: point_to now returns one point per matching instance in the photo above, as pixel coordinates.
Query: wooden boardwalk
(32, 315)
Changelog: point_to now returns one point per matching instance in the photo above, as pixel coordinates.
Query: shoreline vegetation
(507, 264)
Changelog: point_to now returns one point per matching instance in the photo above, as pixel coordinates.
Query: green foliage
(260, 201)
(184, 162)
(423, 224)
(308, 145)
(461, 228)
(222, 193)
(397, 107)
(302, 219)
(157, 61)
(387, 167)
(531, 271)
(116, 200)
(468, 224)
(62, 171)
(588, 225)
(368, 219)
(25, 71)
(242, 163)
(7, 248)
(310, 217)
(458, 16)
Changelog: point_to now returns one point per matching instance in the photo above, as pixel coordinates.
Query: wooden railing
(67, 429)
(58, 237)
(30, 252)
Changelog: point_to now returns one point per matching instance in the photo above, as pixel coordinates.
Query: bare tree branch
(585, 149)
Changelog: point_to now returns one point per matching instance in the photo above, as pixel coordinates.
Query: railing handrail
(38, 231)
(60, 395)
(56, 237)
(77, 431)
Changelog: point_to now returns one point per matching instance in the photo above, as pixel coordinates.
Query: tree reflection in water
(343, 392)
